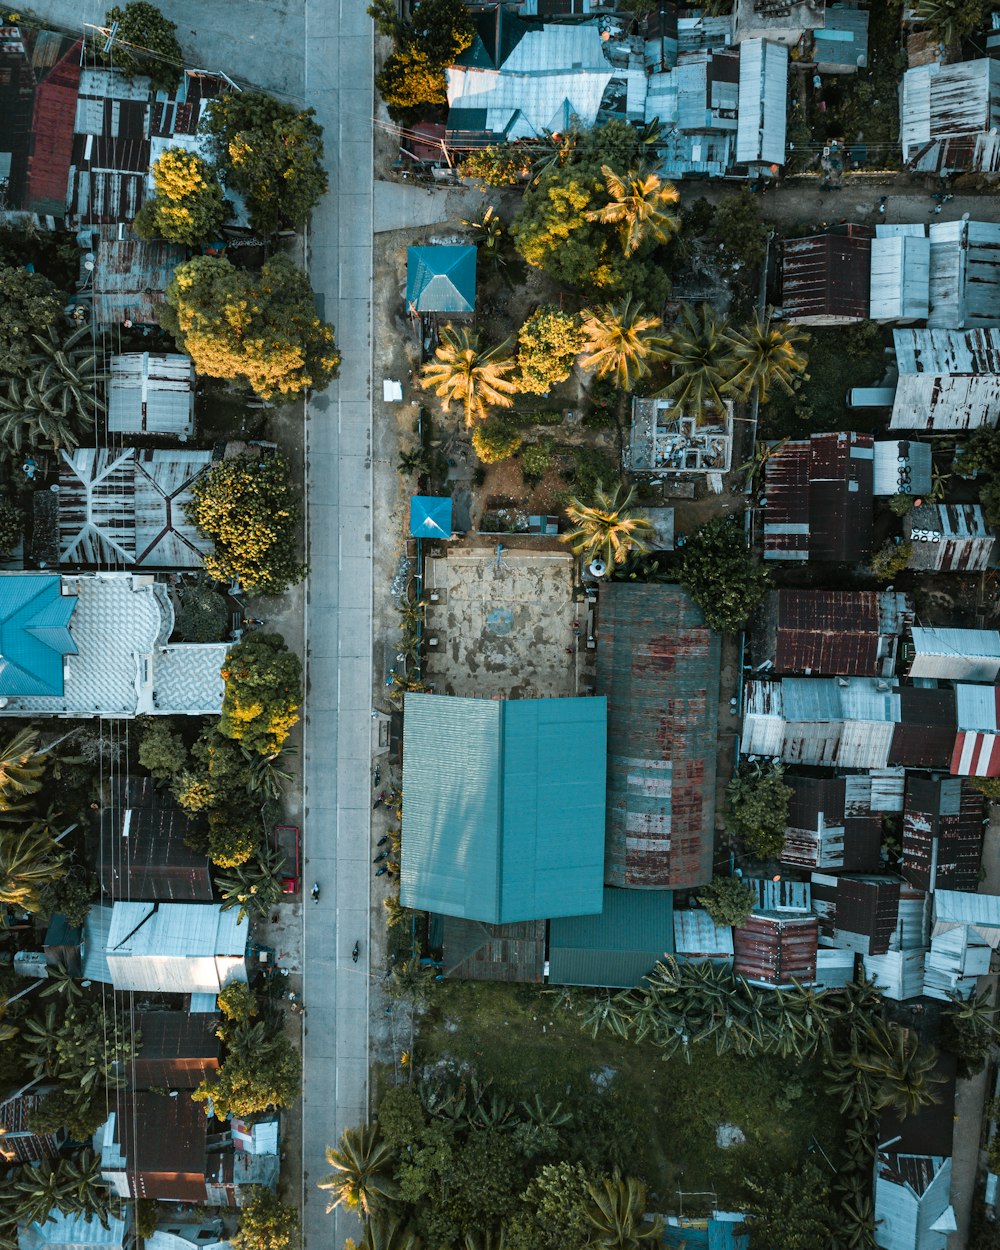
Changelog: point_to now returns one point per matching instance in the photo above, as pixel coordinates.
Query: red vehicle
(286, 841)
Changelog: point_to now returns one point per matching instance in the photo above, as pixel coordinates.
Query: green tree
(411, 79)
(22, 770)
(11, 527)
(722, 575)
(461, 372)
(215, 783)
(737, 228)
(968, 1030)
(621, 341)
(757, 805)
(80, 1112)
(553, 1214)
(702, 360)
(792, 1210)
(606, 529)
(890, 560)
(767, 354)
(29, 304)
(70, 895)
(161, 751)
(362, 1178)
(253, 886)
(29, 861)
(728, 900)
(401, 1116)
(637, 205)
(501, 165)
(261, 1071)
(263, 693)
(951, 21)
(437, 33)
(496, 439)
(189, 205)
(247, 507)
(547, 345)
(616, 1215)
(145, 43)
(203, 615)
(262, 331)
(981, 455)
(265, 1222)
(903, 1068)
(237, 1002)
(272, 153)
(59, 396)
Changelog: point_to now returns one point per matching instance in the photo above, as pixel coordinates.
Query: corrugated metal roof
(619, 947)
(130, 278)
(826, 278)
(513, 828)
(841, 44)
(175, 948)
(659, 665)
(951, 537)
(866, 913)
(949, 379)
(51, 149)
(942, 833)
(72, 1232)
(833, 632)
(763, 92)
(942, 101)
(178, 1050)
(441, 278)
(473, 951)
(143, 854)
(776, 950)
(898, 974)
(959, 907)
(902, 465)
(900, 278)
(151, 393)
(955, 654)
(697, 936)
(947, 351)
(156, 1147)
(965, 273)
(912, 1193)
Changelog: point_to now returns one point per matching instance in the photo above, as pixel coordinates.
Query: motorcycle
(356, 952)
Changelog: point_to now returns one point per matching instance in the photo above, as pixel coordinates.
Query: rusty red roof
(831, 632)
(52, 136)
(776, 950)
(826, 278)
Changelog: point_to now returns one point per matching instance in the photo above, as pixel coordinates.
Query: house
(840, 45)
(666, 441)
(107, 177)
(783, 23)
(151, 393)
(127, 507)
(949, 115)
(474, 951)
(912, 1202)
(942, 833)
(899, 972)
(510, 827)
(722, 1227)
(948, 538)
(856, 913)
(818, 493)
(178, 1050)
(836, 822)
(659, 665)
(430, 517)
(130, 278)
(826, 277)
(841, 633)
(776, 949)
(948, 380)
(141, 850)
(179, 1236)
(697, 102)
(902, 467)
(619, 947)
(977, 743)
(168, 948)
(440, 279)
(761, 120)
(96, 645)
(81, 1231)
(39, 81)
(698, 937)
(964, 273)
(965, 932)
(954, 654)
(900, 273)
(18, 1142)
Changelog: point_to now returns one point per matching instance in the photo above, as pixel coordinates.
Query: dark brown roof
(821, 801)
(178, 1050)
(164, 1143)
(827, 276)
(925, 734)
(776, 949)
(942, 833)
(473, 951)
(826, 632)
(17, 1141)
(868, 906)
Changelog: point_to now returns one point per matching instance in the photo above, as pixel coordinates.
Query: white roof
(71, 1232)
(900, 277)
(898, 974)
(912, 1195)
(965, 273)
(760, 134)
(180, 948)
(174, 1238)
(918, 462)
(256, 1139)
(697, 936)
(941, 351)
(151, 393)
(958, 907)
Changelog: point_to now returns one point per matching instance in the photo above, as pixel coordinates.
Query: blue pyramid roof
(430, 517)
(441, 279)
(34, 633)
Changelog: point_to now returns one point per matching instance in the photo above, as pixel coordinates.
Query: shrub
(202, 616)
(900, 504)
(722, 575)
(757, 804)
(495, 439)
(728, 900)
(536, 459)
(146, 1214)
(548, 344)
(266, 1223)
(890, 560)
(263, 693)
(161, 751)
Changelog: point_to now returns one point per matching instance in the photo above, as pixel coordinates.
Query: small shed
(949, 538)
(151, 393)
(441, 278)
(697, 937)
(474, 951)
(900, 273)
(776, 950)
(903, 467)
(430, 516)
(840, 46)
(840, 633)
(955, 654)
(857, 913)
(948, 380)
(617, 948)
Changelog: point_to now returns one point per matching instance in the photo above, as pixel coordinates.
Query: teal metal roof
(503, 807)
(441, 279)
(34, 633)
(617, 948)
(430, 516)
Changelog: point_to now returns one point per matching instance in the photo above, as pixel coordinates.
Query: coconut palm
(616, 1215)
(604, 530)
(767, 353)
(29, 860)
(621, 340)
(949, 20)
(462, 373)
(265, 776)
(489, 233)
(902, 1067)
(362, 1177)
(389, 1233)
(637, 206)
(21, 770)
(702, 359)
(59, 396)
(254, 886)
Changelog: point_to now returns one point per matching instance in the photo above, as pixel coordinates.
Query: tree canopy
(263, 693)
(436, 34)
(262, 330)
(722, 575)
(981, 455)
(272, 153)
(757, 804)
(547, 345)
(261, 1070)
(29, 304)
(266, 1223)
(146, 43)
(247, 507)
(188, 207)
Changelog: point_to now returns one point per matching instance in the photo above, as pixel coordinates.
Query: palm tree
(389, 1233)
(60, 395)
(767, 353)
(490, 235)
(703, 361)
(254, 886)
(22, 767)
(362, 1178)
(416, 461)
(949, 20)
(412, 980)
(29, 860)
(604, 530)
(616, 1213)
(637, 207)
(903, 1068)
(461, 373)
(264, 774)
(621, 340)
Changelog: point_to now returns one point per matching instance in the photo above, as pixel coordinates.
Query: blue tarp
(430, 516)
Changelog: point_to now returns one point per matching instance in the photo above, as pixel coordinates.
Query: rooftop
(441, 279)
(617, 948)
(130, 278)
(945, 102)
(826, 278)
(510, 828)
(151, 393)
(72, 1232)
(845, 633)
(473, 951)
(35, 635)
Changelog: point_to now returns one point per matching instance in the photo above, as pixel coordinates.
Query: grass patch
(632, 1107)
(839, 358)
